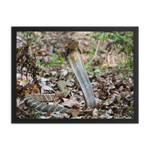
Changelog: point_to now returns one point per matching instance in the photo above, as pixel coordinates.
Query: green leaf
(112, 34)
(90, 57)
(90, 53)
(130, 112)
(91, 47)
(92, 73)
(85, 64)
(61, 58)
(32, 35)
(101, 39)
(119, 100)
(98, 74)
(89, 63)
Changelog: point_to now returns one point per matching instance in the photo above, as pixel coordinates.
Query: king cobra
(75, 60)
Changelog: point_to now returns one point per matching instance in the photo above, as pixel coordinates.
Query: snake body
(76, 62)
(34, 100)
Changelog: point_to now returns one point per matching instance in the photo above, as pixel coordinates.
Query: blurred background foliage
(38, 51)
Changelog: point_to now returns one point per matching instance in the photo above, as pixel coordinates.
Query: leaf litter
(114, 95)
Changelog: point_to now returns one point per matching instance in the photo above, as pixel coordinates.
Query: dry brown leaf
(48, 113)
(57, 116)
(95, 113)
(102, 117)
(22, 105)
(111, 87)
(64, 72)
(97, 94)
(124, 89)
(45, 87)
(98, 102)
(18, 76)
(56, 99)
(71, 103)
(28, 113)
(65, 99)
(35, 89)
(76, 112)
(27, 92)
(121, 88)
(38, 33)
(59, 94)
(18, 101)
(85, 57)
(23, 83)
(89, 110)
(66, 115)
(18, 111)
(123, 94)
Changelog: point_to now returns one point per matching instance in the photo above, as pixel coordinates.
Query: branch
(96, 51)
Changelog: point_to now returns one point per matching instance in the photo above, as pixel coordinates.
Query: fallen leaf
(44, 117)
(108, 103)
(35, 89)
(59, 94)
(76, 112)
(44, 80)
(18, 101)
(45, 87)
(78, 117)
(27, 92)
(18, 76)
(48, 113)
(121, 88)
(110, 111)
(89, 110)
(80, 92)
(65, 99)
(56, 99)
(111, 87)
(23, 83)
(108, 116)
(71, 103)
(102, 117)
(95, 113)
(54, 73)
(64, 72)
(98, 102)
(66, 115)
(57, 115)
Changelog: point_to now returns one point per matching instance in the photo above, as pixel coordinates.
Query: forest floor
(41, 63)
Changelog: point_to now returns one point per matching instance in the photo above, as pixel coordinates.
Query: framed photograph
(74, 75)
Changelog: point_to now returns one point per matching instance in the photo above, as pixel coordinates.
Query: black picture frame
(14, 30)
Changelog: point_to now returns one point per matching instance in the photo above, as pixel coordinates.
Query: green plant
(119, 100)
(61, 60)
(121, 41)
(37, 115)
(88, 68)
(52, 62)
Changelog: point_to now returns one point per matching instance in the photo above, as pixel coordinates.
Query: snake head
(73, 45)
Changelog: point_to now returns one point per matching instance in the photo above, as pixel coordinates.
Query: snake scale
(75, 60)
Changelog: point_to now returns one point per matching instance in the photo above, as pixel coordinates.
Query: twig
(96, 51)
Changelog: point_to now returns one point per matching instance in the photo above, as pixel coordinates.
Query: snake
(75, 60)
